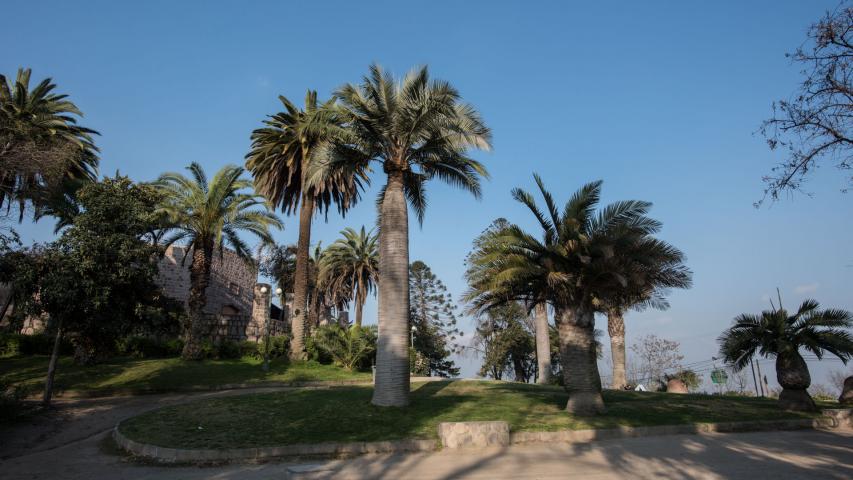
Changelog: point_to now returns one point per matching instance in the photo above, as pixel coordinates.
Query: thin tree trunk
(543, 344)
(792, 373)
(199, 280)
(300, 282)
(616, 329)
(578, 356)
(359, 310)
(392, 355)
(7, 302)
(51, 368)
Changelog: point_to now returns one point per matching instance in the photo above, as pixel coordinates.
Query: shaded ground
(344, 414)
(162, 375)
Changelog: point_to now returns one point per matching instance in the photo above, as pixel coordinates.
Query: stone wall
(239, 327)
(231, 281)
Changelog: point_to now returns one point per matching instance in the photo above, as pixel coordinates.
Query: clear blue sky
(660, 100)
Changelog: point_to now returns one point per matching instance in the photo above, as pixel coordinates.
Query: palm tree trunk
(300, 281)
(543, 344)
(199, 280)
(792, 373)
(51, 368)
(616, 329)
(359, 310)
(392, 355)
(576, 330)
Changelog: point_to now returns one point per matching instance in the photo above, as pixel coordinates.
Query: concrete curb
(175, 455)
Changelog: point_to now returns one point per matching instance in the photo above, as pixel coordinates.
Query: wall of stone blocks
(231, 282)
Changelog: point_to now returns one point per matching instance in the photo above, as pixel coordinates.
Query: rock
(473, 434)
(674, 385)
(846, 397)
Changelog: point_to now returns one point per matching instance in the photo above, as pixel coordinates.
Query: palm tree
(279, 262)
(350, 268)
(652, 268)
(42, 149)
(781, 334)
(418, 130)
(279, 160)
(208, 216)
(575, 265)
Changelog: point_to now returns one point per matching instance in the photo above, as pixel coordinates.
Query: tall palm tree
(652, 268)
(42, 149)
(574, 266)
(280, 157)
(782, 334)
(350, 268)
(418, 130)
(209, 216)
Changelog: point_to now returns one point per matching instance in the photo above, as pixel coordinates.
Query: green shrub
(279, 346)
(351, 348)
(14, 344)
(228, 350)
(11, 402)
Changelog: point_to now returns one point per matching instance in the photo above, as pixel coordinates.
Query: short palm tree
(652, 268)
(42, 149)
(418, 130)
(281, 154)
(208, 216)
(350, 268)
(574, 266)
(782, 334)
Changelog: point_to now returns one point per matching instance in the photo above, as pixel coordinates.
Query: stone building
(230, 291)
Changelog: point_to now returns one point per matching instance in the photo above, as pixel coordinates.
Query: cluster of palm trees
(583, 261)
(417, 129)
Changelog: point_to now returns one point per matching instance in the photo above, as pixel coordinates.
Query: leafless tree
(836, 379)
(657, 356)
(814, 125)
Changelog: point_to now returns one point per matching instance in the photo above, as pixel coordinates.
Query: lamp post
(414, 329)
(268, 320)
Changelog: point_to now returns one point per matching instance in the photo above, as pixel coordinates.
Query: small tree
(433, 314)
(688, 377)
(656, 356)
(507, 343)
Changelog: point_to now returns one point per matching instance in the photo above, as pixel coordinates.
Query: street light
(266, 365)
(414, 329)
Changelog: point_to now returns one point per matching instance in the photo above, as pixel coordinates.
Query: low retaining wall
(474, 434)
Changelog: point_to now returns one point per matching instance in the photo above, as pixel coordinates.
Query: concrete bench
(473, 434)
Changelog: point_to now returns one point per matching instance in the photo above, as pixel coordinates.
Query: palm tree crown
(349, 269)
(779, 332)
(212, 214)
(41, 144)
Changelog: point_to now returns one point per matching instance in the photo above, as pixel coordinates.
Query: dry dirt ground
(73, 443)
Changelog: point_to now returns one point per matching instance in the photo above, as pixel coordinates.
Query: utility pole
(754, 378)
(758, 366)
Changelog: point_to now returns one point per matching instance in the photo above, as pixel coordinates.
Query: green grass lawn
(344, 414)
(164, 374)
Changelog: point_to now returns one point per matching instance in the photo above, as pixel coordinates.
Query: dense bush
(147, 347)
(12, 344)
(11, 402)
(279, 346)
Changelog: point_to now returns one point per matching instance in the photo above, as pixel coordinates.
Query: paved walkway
(74, 444)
